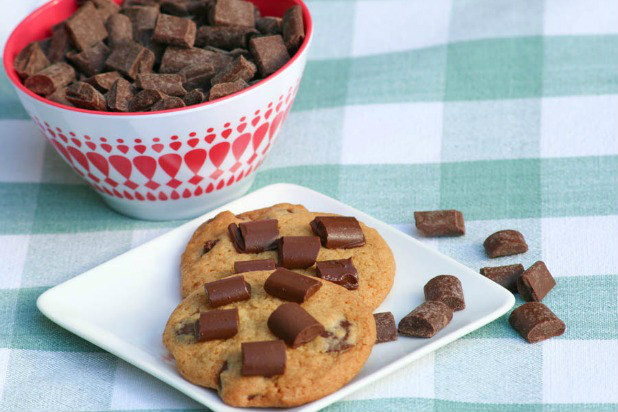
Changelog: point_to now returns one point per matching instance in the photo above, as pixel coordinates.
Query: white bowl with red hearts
(169, 164)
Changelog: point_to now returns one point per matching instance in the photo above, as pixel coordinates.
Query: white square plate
(123, 305)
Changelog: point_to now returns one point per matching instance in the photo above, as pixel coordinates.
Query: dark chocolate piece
(270, 53)
(197, 75)
(446, 289)
(195, 96)
(287, 285)
(440, 223)
(144, 100)
(208, 245)
(144, 38)
(103, 81)
(59, 96)
(294, 324)
(167, 103)
(223, 37)
(269, 25)
(86, 27)
(293, 28)
(119, 96)
(127, 59)
(220, 90)
(120, 29)
(142, 17)
(536, 322)
(50, 78)
(505, 243)
(536, 282)
(386, 328)
(175, 31)
(505, 276)
(227, 290)
(265, 358)
(233, 13)
(147, 62)
(426, 320)
(217, 324)
(340, 271)
(239, 69)
(91, 60)
(298, 252)
(180, 8)
(85, 96)
(254, 237)
(59, 45)
(106, 8)
(253, 265)
(338, 232)
(176, 58)
(170, 84)
(30, 60)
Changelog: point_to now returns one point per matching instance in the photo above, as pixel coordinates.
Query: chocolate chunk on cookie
(254, 237)
(298, 252)
(338, 232)
(223, 291)
(217, 324)
(294, 325)
(266, 358)
(254, 265)
(288, 285)
(339, 271)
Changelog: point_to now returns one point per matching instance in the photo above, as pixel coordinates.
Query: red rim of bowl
(10, 71)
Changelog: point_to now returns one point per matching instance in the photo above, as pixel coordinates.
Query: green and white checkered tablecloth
(504, 109)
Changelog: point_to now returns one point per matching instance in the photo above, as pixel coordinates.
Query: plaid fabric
(506, 110)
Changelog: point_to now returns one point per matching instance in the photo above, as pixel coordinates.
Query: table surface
(504, 110)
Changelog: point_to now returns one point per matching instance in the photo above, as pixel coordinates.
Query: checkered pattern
(503, 109)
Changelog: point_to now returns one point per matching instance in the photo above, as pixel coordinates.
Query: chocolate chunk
(233, 13)
(287, 285)
(195, 96)
(86, 27)
(167, 103)
(217, 324)
(59, 96)
(220, 90)
(189, 328)
(340, 271)
(298, 252)
(253, 265)
(338, 232)
(386, 328)
(59, 44)
(505, 243)
(170, 84)
(426, 320)
(254, 237)
(294, 324)
(440, 223)
(270, 53)
(505, 276)
(269, 25)
(145, 99)
(119, 96)
(30, 61)
(91, 60)
(127, 59)
(239, 69)
(265, 358)
(147, 62)
(106, 8)
(142, 17)
(120, 30)
(50, 78)
(180, 8)
(227, 290)
(103, 81)
(223, 37)
(536, 322)
(176, 58)
(144, 38)
(208, 245)
(446, 289)
(536, 282)
(176, 31)
(85, 96)
(197, 75)
(293, 28)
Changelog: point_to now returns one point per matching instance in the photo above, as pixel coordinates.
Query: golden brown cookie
(312, 370)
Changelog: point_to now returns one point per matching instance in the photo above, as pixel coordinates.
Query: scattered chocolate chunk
(217, 324)
(505, 276)
(227, 290)
(59, 96)
(120, 29)
(536, 282)
(386, 328)
(176, 31)
(30, 60)
(106, 8)
(195, 96)
(254, 237)
(269, 52)
(197, 75)
(176, 58)
(167, 103)
(426, 320)
(536, 322)
(90, 61)
(127, 59)
(85, 96)
(298, 252)
(340, 271)
(294, 324)
(170, 84)
(233, 13)
(220, 90)
(60, 43)
(265, 358)
(269, 25)
(293, 28)
(86, 27)
(50, 78)
(338, 232)
(239, 69)
(119, 96)
(223, 37)
(446, 289)
(142, 17)
(505, 243)
(208, 245)
(144, 100)
(253, 265)
(440, 223)
(287, 285)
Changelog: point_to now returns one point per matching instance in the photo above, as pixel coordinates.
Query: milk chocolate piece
(86, 27)
(91, 60)
(287, 285)
(208, 245)
(59, 96)
(294, 324)
(142, 17)
(120, 29)
(239, 69)
(253, 265)
(147, 62)
(170, 84)
(176, 31)
(50, 78)
(223, 37)
(298, 252)
(227, 290)
(446, 289)
(340, 271)
(338, 232)
(386, 328)
(180, 8)
(536, 322)
(536, 282)
(85, 96)
(270, 53)
(30, 60)
(440, 223)
(426, 320)
(220, 90)
(254, 237)
(145, 99)
(167, 103)
(119, 96)
(505, 243)
(106, 8)
(217, 324)
(59, 44)
(197, 75)
(505, 276)
(176, 58)
(269, 25)
(233, 13)
(127, 59)
(103, 81)
(293, 28)
(265, 358)
(195, 96)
